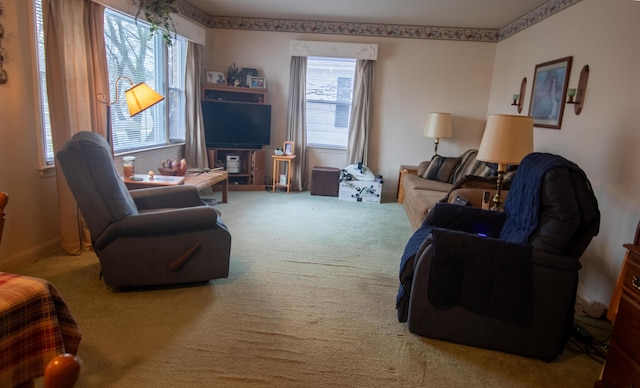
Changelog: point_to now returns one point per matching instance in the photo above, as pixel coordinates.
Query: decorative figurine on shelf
(279, 152)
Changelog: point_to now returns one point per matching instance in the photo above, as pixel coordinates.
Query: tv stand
(250, 175)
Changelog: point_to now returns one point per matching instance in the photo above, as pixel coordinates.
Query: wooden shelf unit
(234, 93)
(252, 167)
(252, 170)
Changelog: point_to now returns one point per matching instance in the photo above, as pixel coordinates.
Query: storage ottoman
(324, 181)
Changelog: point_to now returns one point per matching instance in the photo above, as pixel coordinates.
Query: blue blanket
(523, 203)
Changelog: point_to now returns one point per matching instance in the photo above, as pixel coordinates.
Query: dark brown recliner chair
(145, 237)
(504, 281)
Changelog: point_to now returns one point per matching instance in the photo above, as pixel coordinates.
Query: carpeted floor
(309, 303)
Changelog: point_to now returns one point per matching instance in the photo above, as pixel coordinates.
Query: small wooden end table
(276, 170)
(404, 170)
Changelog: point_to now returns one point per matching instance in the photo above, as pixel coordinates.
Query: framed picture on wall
(547, 95)
(215, 77)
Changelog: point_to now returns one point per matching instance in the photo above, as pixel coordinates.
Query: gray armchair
(145, 237)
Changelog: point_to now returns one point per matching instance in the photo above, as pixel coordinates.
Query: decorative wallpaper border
(539, 13)
(378, 30)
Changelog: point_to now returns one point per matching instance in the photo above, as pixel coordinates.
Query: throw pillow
(441, 168)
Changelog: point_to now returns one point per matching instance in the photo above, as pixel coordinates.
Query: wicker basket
(167, 171)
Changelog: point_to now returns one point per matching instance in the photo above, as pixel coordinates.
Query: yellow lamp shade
(141, 97)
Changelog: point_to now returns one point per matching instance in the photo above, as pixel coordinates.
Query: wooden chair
(62, 371)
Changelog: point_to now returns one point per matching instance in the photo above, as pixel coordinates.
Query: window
(329, 97)
(130, 53)
(45, 128)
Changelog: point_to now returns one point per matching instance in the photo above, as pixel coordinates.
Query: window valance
(305, 48)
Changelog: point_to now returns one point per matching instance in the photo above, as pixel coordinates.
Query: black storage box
(324, 181)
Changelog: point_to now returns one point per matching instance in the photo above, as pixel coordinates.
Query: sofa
(444, 178)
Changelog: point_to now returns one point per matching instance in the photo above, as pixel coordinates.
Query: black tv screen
(236, 125)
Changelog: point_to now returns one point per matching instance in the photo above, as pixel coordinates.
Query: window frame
(46, 165)
(334, 103)
(161, 71)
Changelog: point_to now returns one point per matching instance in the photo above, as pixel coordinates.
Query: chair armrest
(167, 197)
(167, 222)
(553, 261)
(465, 219)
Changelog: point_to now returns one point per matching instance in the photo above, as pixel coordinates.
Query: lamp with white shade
(506, 140)
(438, 126)
(139, 98)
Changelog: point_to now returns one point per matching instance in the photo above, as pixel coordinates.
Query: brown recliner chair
(145, 237)
(505, 281)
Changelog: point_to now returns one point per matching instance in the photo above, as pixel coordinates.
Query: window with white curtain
(130, 53)
(329, 94)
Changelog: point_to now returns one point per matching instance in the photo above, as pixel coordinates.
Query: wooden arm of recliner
(180, 261)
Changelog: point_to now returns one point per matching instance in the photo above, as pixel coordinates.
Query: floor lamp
(506, 140)
(139, 97)
(438, 126)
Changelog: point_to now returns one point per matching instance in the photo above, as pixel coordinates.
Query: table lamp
(506, 140)
(139, 98)
(438, 126)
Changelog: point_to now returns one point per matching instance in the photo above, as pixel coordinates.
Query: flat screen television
(236, 125)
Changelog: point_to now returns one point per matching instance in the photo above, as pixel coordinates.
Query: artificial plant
(158, 14)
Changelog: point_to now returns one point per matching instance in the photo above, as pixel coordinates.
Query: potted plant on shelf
(158, 14)
(233, 75)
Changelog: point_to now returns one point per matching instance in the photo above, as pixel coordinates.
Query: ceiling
(491, 14)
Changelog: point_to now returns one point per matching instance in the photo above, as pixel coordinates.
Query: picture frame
(549, 89)
(215, 77)
(287, 147)
(246, 74)
(258, 82)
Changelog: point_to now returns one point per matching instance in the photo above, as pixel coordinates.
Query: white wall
(604, 138)
(413, 78)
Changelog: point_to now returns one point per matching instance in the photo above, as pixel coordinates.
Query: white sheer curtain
(361, 112)
(296, 120)
(76, 71)
(195, 148)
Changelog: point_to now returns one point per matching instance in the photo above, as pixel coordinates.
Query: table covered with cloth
(35, 326)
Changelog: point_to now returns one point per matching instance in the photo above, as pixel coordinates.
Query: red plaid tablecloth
(35, 326)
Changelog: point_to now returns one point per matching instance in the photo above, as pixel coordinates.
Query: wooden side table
(276, 170)
(404, 170)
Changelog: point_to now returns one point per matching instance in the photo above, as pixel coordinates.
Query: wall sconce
(576, 96)
(518, 99)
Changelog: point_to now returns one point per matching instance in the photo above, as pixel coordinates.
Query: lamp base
(497, 201)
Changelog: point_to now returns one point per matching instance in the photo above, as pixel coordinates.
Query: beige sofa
(441, 177)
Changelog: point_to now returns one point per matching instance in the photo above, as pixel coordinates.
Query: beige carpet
(309, 303)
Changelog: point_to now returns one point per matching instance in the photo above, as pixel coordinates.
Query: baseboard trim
(31, 255)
